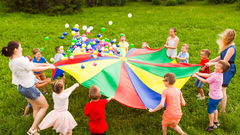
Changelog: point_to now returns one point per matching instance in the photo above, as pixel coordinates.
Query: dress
(172, 42)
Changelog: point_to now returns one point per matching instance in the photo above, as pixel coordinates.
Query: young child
(39, 84)
(60, 118)
(59, 54)
(123, 43)
(183, 56)
(215, 81)
(95, 110)
(38, 58)
(145, 45)
(173, 99)
(172, 43)
(204, 54)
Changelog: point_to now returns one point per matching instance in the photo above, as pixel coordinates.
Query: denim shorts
(213, 105)
(198, 83)
(30, 93)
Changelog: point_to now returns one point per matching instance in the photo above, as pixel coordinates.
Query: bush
(221, 1)
(50, 7)
(171, 3)
(156, 2)
(181, 2)
(92, 3)
(238, 5)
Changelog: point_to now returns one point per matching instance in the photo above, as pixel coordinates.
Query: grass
(198, 25)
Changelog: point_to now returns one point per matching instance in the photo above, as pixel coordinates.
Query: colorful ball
(103, 29)
(82, 66)
(66, 25)
(94, 64)
(84, 27)
(132, 45)
(46, 38)
(52, 60)
(61, 37)
(65, 33)
(99, 35)
(42, 49)
(121, 35)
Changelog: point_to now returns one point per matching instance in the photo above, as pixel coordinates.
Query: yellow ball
(52, 60)
(73, 33)
(106, 50)
(95, 56)
(110, 48)
(84, 45)
(61, 47)
(82, 49)
(76, 26)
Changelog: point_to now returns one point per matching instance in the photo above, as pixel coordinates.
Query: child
(123, 43)
(215, 81)
(183, 56)
(173, 99)
(172, 43)
(145, 45)
(39, 84)
(95, 110)
(59, 54)
(38, 58)
(60, 118)
(204, 54)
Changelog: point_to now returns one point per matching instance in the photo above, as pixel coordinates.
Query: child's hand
(51, 66)
(76, 84)
(209, 64)
(165, 46)
(150, 110)
(176, 57)
(194, 75)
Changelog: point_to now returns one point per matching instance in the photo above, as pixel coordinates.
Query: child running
(173, 99)
(95, 110)
(183, 56)
(60, 118)
(215, 81)
(172, 43)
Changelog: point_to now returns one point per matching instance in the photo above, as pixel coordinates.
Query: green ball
(91, 43)
(74, 40)
(106, 46)
(121, 35)
(132, 45)
(106, 40)
(69, 51)
(46, 38)
(42, 49)
(103, 29)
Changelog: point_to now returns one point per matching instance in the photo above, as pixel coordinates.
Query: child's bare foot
(201, 98)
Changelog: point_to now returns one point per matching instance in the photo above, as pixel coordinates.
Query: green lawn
(198, 25)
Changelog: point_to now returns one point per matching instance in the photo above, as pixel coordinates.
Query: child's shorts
(169, 121)
(213, 105)
(31, 92)
(198, 83)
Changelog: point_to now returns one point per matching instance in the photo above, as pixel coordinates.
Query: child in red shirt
(204, 69)
(95, 110)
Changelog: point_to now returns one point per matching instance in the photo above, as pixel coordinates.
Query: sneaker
(198, 95)
(201, 98)
(209, 128)
(216, 124)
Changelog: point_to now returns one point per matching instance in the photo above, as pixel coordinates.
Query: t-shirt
(207, 69)
(215, 85)
(95, 110)
(184, 55)
(58, 57)
(173, 98)
(41, 60)
(22, 73)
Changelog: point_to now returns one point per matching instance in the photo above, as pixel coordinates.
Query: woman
(22, 76)
(227, 52)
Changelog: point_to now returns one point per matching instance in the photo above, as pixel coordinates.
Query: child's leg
(223, 103)
(216, 116)
(43, 77)
(200, 90)
(69, 133)
(211, 118)
(61, 134)
(27, 108)
(164, 130)
(178, 129)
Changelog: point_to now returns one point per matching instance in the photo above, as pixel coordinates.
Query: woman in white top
(22, 76)
(172, 43)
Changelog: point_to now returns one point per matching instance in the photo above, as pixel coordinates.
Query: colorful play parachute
(134, 78)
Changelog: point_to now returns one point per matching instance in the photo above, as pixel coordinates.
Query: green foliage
(156, 2)
(221, 1)
(92, 3)
(238, 5)
(181, 2)
(51, 7)
(171, 3)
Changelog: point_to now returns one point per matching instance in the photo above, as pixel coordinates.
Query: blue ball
(111, 41)
(73, 29)
(97, 41)
(76, 30)
(117, 45)
(99, 35)
(65, 33)
(92, 55)
(62, 37)
(99, 50)
(82, 67)
(78, 44)
(118, 52)
(87, 49)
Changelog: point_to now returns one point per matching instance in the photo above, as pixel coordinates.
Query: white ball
(89, 47)
(84, 27)
(66, 25)
(129, 15)
(84, 38)
(110, 22)
(114, 46)
(114, 40)
(88, 30)
(91, 28)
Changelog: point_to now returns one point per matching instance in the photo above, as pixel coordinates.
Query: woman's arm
(229, 54)
(42, 68)
(40, 64)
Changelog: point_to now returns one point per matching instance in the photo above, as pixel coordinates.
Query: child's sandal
(209, 128)
(32, 132)
(217, 124)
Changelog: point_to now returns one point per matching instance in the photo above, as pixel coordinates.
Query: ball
(129, 15)
(82, 66)
(65, 33)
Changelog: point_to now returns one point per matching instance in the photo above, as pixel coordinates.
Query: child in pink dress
(60, 118)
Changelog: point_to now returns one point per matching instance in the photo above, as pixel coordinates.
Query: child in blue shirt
(183, 56)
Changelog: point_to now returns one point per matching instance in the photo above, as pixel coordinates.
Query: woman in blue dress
(227, 52)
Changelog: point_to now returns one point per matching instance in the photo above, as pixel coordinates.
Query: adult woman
(227, 52)
(22, 76)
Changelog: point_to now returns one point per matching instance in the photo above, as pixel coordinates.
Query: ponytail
(8, 50)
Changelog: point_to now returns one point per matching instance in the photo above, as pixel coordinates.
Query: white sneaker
(201, 98)
(198, 95)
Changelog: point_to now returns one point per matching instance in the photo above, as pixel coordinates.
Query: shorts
(213, 105)
(198, 83)
(29, 105)
(227, 76)
(169, 121)
(99, 134)
(30, 93)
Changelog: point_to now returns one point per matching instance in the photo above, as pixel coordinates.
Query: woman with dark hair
(22, 76)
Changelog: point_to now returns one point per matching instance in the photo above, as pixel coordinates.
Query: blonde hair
(226, 38)
(185, 45)
(94, 92)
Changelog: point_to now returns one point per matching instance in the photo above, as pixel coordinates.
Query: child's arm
(43, 83)
(203, 68)
(183, 103)
(199, 78)
(72, 88)
(160, 106)
(86, 111)
(110, 98)
(203, 74)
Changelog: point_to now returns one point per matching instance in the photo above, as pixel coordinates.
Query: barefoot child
(59, 54)
(38, 58)
(173, 99)
(183, 56)
(172, 43)
(215, 81)
(60, 118)
(123, 43)
(204, 54)
(95, 110)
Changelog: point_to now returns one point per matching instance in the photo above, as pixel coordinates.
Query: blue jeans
(30, 93)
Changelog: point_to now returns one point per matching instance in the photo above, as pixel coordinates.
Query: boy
(215, 81)
(59, 54)
(173, 99)
(95, 110)
(204, 54)
(183, 56)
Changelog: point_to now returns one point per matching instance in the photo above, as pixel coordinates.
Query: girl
(172, 43)
(22, 76)
(60, 118)
(227, 52)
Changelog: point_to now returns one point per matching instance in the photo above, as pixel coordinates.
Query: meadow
(198, 25)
